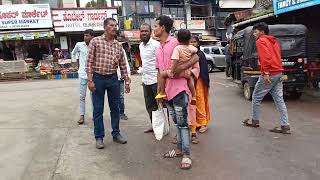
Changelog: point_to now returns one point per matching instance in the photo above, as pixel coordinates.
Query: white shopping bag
(160, 122)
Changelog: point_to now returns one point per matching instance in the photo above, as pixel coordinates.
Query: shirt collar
(104, 37)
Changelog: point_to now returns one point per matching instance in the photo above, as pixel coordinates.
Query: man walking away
(148, 48)
(105, 55)
(270, 80)
(80, 53)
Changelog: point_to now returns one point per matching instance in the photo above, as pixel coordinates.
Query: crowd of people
(174, 73)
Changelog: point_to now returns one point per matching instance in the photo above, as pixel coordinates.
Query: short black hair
(165, 21)
(146, 24)
(184, 36)
(261, 27)
(89, 31)
(106, 21)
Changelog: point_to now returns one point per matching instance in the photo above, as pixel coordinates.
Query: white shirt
(80, 52)
(148, 58)
(128, 67)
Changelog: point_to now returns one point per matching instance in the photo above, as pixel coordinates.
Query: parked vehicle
(245, 64)
(215, 56)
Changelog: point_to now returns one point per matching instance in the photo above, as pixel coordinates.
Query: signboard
(283, 6)
(132, 35)
(193, 24)
(72, 20)
(26, 35)
(25, 16)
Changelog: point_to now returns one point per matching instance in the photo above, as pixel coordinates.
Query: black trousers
(150, 92)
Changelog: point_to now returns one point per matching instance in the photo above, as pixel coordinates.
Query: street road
(40, 138)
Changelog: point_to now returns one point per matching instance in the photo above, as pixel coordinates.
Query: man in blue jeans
(270, 81)
(176, 90)
(105, 55)
(80, 53)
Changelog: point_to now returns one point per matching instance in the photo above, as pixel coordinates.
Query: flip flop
(160, 96)
(194, 139)
(203, 129)
(172, 154)
(186, 163)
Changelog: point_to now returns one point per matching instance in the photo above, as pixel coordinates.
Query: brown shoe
(81, 120)
(284, 129)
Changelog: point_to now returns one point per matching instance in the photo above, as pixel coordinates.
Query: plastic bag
(160, 123)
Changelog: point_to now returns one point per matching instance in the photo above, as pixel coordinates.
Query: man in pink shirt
(176, 89)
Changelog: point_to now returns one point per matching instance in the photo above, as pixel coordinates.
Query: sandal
(160, 96)
(203, 129)
(186, 163)
(172, 154)
(254, 123)
(282, 130)
(194, 139)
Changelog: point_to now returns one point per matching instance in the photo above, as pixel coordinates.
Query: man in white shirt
(123, 116)
(80, 52)
(148, 48)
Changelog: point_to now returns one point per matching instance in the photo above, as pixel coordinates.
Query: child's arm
(174, 59)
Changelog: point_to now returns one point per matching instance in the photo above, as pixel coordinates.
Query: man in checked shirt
(105, 55)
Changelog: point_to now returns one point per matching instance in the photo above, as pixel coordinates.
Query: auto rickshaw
(245, 65)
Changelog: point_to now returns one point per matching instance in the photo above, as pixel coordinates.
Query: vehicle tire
(211, 66)
(295, 95)
(247, 91)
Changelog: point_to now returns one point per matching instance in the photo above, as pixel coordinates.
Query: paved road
(39, 139)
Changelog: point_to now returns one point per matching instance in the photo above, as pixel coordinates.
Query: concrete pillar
(187, 7)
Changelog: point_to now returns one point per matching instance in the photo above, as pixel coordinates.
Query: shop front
(70, 23)
(25, 32)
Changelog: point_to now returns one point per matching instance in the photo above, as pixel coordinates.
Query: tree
(98, 3)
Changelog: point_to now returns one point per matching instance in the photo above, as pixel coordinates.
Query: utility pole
(187, 12)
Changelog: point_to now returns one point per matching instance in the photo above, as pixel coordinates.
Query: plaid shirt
(104, 57)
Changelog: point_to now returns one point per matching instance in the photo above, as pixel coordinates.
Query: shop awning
(26, 35)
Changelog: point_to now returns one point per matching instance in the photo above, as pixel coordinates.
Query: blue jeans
(83, 92)
(276, 90)
(109, 84)
(121, 105)
(178, 111)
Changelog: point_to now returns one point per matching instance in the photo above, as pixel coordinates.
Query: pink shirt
(163, 58)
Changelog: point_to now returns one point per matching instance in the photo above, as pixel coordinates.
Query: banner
(72, 20)
(283, 6)
(193, 24)
(25, 16)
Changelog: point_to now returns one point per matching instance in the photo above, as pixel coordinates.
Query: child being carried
(181, 54)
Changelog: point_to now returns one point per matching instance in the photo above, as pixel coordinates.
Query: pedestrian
(148, 48)
(228, 60)
(123, 116)
(270, 81)
(105, 55)
(80, 53)
(176, 89)
(202, 94)
(181, 54)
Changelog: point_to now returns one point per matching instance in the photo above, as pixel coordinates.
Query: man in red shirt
(270, 81)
